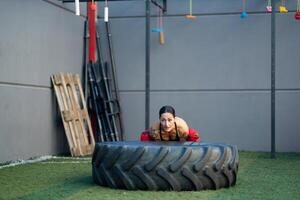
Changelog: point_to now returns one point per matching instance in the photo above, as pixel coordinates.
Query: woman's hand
(154, 134)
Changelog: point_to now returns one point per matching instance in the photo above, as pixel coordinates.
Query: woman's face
(167, 121)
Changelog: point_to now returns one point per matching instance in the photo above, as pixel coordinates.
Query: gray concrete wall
(36, 40)
(215, 71)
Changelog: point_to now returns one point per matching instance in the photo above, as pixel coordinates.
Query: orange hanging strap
(161, 33)
(190, 15)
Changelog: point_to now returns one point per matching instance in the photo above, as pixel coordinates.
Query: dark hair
(167, 109)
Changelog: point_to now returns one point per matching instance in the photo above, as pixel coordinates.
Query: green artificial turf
(259, 177)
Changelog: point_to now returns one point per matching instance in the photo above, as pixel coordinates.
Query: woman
(170, 128)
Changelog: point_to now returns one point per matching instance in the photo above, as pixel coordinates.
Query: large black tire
(175, 166)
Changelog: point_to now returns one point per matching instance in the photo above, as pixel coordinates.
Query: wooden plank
(56, 80)
(80, 106)
(68, 104)
(74, 113)
(72, 107)
(87, 136)
(84, 112)
(85, 121)
(77, 107)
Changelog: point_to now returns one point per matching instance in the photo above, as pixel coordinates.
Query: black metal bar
(273, 76)
(114, 76)
(110, 101)
(106, 129)
(165, 5)
(94, 95)
(108, 109)
(147, 70)
(85, 60)
(162, 7)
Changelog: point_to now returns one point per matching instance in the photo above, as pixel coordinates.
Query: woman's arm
(154, 131)
(182, 126)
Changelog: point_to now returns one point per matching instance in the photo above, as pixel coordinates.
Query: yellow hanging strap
(282, 8)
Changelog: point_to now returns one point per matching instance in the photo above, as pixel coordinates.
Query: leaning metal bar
(114, 76)
(273, 68)
(85, 59)
(147, 70)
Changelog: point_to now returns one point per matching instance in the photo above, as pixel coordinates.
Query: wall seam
(22, 85)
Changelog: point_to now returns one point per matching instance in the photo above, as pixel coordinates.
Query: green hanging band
(191, 7)
(269, 3)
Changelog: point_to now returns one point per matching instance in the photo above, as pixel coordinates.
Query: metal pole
(85, 59)
(109, 107)
(273, 37)
(114, 76)
(94, 96)
(147, 71)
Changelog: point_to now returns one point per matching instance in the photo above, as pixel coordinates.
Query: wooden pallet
(74, 113)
